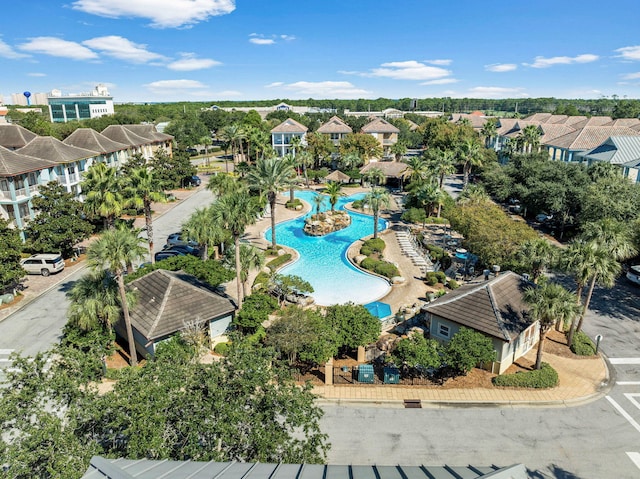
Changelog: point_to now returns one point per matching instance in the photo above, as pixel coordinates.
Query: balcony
(5, 194)
(21, 192)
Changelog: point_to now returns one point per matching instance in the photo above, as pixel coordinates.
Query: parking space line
(635, 458)
(624, 360)
(628, 383)
(624, 413)
(631, 399)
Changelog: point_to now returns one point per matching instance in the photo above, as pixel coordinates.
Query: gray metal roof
(616, 150)
(101, 468)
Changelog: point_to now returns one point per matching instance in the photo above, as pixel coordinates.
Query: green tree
(251, 258)
(366, 146)
(233, 134)
(350, 160)
(304, 159)
(442, 163)
(320, 147)
(377, 199)
(399, 149)
(202, 228)
(467, 349)
(416, 350)
(256, 309)
(375, 176)
(537, 255)
(284, 285)
(234, 212)
(114, 251)
(470, 154)
(171, 171)
(140, 190)
(209, 271)
(187, 131)
(549, 303)
(318, 202)
(489, 131)
(59, 223)
(103, 194)
(333, 191)
(270, 176)
(418, 170)
(10, 270)
(95, 301)
(354, 325)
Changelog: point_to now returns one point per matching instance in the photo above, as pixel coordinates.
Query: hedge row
(545, 377)
(434, 277)
(372, 245)
(275, 263)
(383, 268)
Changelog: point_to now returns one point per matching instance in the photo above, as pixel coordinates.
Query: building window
(443, 330)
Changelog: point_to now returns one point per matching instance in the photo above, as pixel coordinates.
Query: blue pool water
(323, 261)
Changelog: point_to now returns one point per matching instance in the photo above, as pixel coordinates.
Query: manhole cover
(412, 403)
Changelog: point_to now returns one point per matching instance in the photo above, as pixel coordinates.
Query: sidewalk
(581, 381)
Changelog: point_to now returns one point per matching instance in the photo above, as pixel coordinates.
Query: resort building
(107, 151)
(282, 134)
(13, 136)
(623, 151)
(384, 132)
(82, 106)
(570, 146)
(336, 129)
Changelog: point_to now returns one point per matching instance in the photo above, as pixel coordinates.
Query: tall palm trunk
(572, 326)
(466, 169)
(586, 302)
(272, 205)
(543, 335)
(236, 242)
(205, 251)
(375, 224)
(149, 223)
(306, 178)
(127, 319)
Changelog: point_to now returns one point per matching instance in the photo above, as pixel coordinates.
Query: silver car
(43, 264)
(633, 274)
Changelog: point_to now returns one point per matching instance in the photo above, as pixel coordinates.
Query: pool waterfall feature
(323, 260)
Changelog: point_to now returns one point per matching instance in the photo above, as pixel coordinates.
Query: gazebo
(337, 176)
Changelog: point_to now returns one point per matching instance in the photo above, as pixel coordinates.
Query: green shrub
(582, 345)
(357, 204)
(442, 278)
(366, 250)
(545, 377)
(369, 263)
(431, 278)
(261, 278)
(433, 220)
(292, 205)
(414, 215)
(378, 245)
(453, 284)
(222, 348)
(275, 263)
(386, 269)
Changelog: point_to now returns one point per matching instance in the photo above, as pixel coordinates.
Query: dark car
(183, 249)
(194, 181)
(167, 253)
(178, 239)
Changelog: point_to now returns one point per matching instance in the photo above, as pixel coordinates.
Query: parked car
(184, 249)
(542, 217)
(167, 253)
(44, 264)
(179, 239)
(633, 274)
(194, 181)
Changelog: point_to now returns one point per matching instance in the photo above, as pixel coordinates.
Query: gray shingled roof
(13, 163)
(290, 126)
(616, 150)
(121, 134)
(379, 126)
(101, 468)
(391, 169)
(494, 307)
(148, 131)
(167, 300)
(334, 125)
(590, 137)
(92, 140)
(15, 136)
(52, 149)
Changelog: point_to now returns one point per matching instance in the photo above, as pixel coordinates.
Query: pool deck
(411, 292)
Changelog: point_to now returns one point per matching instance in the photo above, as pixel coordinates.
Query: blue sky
(207, 50)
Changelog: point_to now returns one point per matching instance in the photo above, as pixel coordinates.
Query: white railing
(21, 192)
(5, 194)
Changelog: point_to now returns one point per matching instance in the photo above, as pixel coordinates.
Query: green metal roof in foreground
(101, 468)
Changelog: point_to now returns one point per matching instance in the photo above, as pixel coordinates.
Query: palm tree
(318, 201)
(489, 131)
(140, 190)
(530, 138)
(399, 149)
(206, 141)
(305, 160)
(224, 183)
(251, 258)
(295, 143)
(377, 199)
(233, 134)
(103, 195)
(473, 194)
(442, 164)
(375, 176)
(334, 191)
(114, 250)
(538, 255)
(470, 153)
(418, 170)
(549, 303)
(350, 161)
(426, 194)
(270, 176)
(202, 227)
(234, 212)
(95, 301)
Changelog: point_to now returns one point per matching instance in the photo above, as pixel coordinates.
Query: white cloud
(7, 52)
(274, 84)
(501, 67)
(629, 53)
(409, 70)
(287, 38)
(631, 76)
(495, 92)
(262, 41)
(441, 81)
(322, 89)
(36, 74)
(441, 62)
(175, 85)
(189, 62)
(122, 49)
(542, 62)
(162, 13)
(57, 47)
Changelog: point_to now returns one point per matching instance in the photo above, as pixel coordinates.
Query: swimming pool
(323, 259)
